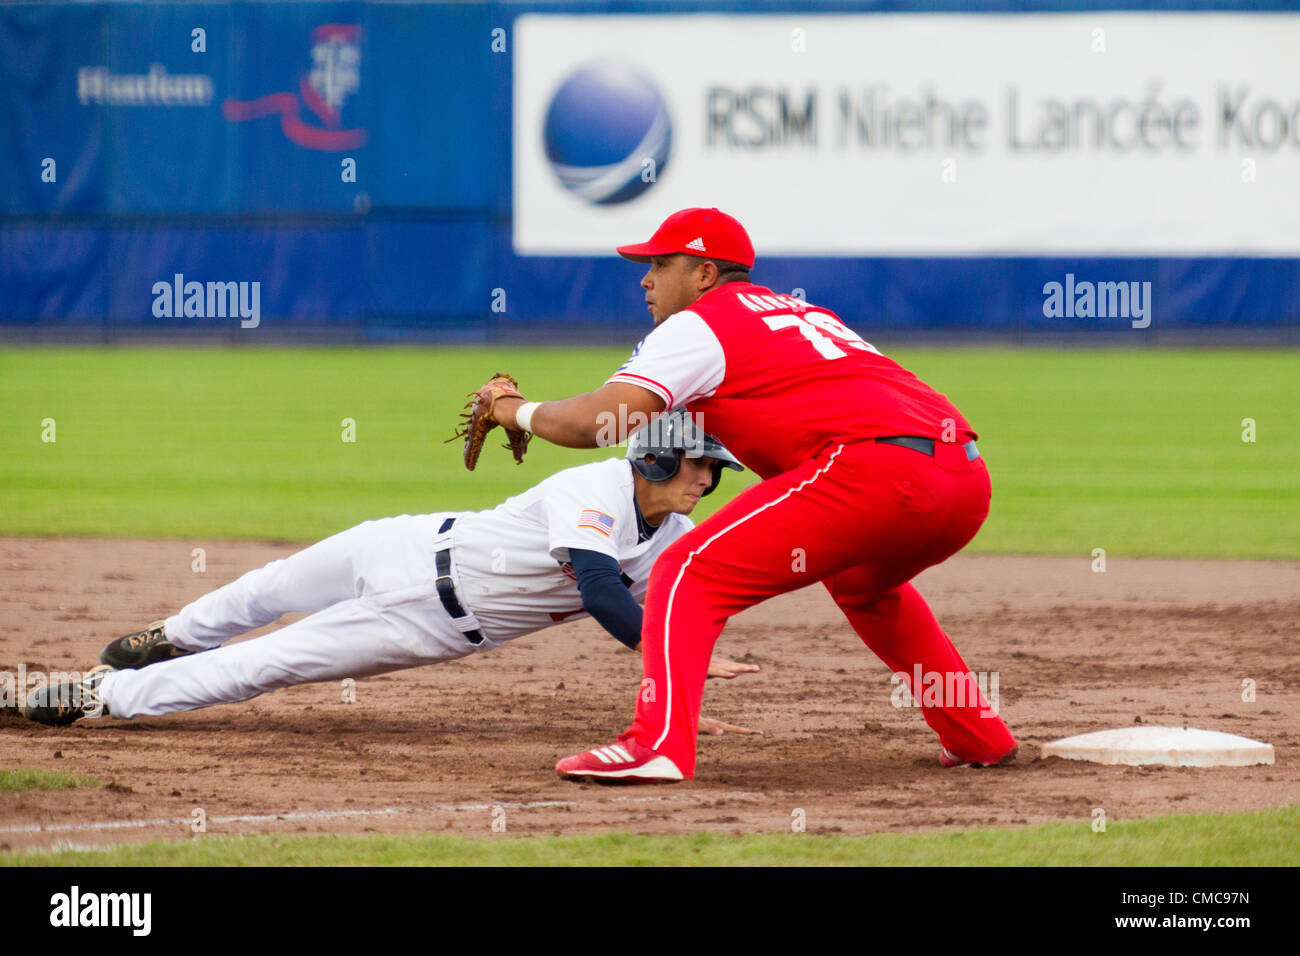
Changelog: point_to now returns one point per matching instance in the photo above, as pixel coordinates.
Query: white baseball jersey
(374, 602)
(512, 562)
(680, 361)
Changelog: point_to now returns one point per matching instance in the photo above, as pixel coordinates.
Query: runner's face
(671, 284)
(687, 487)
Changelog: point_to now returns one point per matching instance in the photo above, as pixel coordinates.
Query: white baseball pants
(376, 610)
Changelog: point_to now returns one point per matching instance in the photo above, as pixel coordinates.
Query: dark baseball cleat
(61, 704)
(949, 759)
(141, 649)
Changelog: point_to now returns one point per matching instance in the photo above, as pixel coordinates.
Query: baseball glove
(478, 420)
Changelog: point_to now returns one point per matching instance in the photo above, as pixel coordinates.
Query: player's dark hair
(727, 271)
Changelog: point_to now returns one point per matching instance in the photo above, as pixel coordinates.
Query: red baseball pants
(863, 518)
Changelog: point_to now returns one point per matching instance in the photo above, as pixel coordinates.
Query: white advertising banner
(913, 134)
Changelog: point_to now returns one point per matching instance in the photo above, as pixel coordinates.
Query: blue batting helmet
(656, 451)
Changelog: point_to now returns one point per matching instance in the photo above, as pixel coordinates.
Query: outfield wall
(452, 171)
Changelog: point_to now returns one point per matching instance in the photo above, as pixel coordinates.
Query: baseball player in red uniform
(869, 477)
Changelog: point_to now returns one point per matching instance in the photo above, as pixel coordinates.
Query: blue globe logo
(608, 133)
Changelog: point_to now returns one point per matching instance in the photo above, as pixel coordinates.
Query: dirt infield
(440, 748)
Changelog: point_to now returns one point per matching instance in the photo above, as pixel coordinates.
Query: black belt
(926, 445)
(447, 590)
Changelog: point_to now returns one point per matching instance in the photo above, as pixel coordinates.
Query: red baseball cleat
(623, 761)
(949, 759)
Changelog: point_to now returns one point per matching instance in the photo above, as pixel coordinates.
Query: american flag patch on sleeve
(596, 521)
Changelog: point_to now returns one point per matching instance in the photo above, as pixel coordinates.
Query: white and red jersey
(777, 379)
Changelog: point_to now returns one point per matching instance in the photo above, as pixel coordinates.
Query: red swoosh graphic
(286, 104)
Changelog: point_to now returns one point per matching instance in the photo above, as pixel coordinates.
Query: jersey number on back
(814, 324)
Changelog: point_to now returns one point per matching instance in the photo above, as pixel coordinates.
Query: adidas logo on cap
(717, 236)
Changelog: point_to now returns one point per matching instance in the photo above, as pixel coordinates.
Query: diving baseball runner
(418, 589)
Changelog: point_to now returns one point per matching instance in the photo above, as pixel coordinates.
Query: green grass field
(33, 778)
(1138, 452)
(1247, 839)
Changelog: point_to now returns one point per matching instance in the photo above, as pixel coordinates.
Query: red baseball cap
(707, 233)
